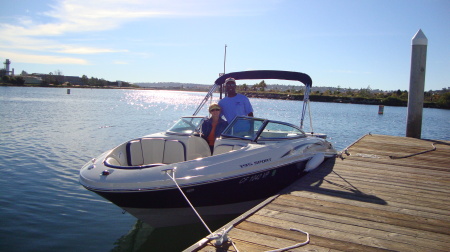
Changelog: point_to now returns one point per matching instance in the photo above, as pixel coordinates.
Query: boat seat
(146, 151)
(174, 152)
(152, 150)
(197, 147)
(134, 153)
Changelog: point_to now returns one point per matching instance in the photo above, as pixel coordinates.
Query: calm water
(46, 136)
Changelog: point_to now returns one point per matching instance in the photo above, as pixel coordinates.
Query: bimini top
(266, 74)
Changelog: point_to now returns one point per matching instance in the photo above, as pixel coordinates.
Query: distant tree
(349, 92)
(18, 80)
(444, 100)
(50, 79)
(428, 96)
(392, 101)
(262, 85)
(93, 81)
(365, 92)
(404, 95)
(24, 73)
(85, 80)
(102, 82)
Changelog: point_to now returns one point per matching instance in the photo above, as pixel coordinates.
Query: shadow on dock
(314, 181)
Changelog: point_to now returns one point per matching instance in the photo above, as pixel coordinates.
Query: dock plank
(363, 213)
(377, 231)
(364, 201)
(336, 230)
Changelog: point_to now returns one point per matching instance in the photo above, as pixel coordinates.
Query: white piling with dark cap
(416, 85)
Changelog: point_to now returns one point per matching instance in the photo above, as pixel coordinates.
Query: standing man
(234, 104)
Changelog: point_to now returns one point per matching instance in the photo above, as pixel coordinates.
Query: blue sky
(346, 43)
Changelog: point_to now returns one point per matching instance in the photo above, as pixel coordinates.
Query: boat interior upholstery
(155, 150)
(150, 151)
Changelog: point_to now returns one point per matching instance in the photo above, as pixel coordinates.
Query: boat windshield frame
(176, 128)
(241, 122)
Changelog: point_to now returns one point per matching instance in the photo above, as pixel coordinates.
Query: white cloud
(120, 62)
(88, 15)
(30, 37)
(42, 59)
(86, 50)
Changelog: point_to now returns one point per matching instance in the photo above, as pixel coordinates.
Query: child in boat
(213, 126)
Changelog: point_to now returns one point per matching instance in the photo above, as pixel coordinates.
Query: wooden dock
(389, 193)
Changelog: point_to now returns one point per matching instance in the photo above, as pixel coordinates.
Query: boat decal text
(256, 162)
(255, 177)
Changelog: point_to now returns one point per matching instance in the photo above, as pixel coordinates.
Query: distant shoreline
(272, 95)
(336, 99)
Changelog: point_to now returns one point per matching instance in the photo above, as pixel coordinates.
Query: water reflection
(143, 237)
(47, 135)
(163, 99)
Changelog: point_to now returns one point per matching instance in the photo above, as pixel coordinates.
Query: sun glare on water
(163, 99)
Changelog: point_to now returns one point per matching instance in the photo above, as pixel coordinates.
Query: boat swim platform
(381, 193)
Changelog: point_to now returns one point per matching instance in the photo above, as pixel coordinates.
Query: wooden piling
(416, 85)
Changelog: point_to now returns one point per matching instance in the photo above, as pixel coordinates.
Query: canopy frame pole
(209, 95)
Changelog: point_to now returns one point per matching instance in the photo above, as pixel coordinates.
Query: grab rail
(132, 167)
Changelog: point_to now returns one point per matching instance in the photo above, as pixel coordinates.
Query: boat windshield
(186, 125)
(243, 127)
(251, 128)
(278, 130)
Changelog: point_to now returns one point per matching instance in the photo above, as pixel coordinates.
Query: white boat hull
(253, 159)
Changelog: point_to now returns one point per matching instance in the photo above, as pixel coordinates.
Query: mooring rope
(222, 236)
(345, 150)
(184, 195)
(296, 245)
(422, 152)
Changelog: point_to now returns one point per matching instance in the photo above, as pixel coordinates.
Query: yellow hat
(214, 106)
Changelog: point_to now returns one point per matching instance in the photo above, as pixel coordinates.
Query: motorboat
(164, 178)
